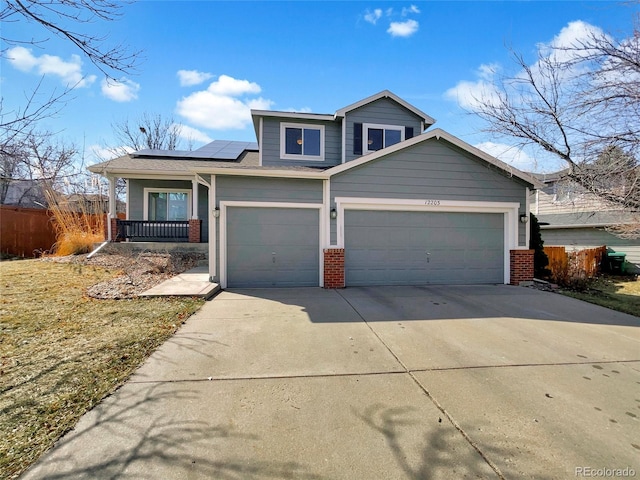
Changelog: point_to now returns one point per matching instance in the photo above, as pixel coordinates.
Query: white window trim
(147, 191)
(365, 134)
(283, 145)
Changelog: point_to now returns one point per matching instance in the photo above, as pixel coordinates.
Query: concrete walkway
(192, 283)
(395, 383)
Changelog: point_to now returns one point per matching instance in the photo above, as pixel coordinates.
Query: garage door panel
(272, 247)
(417, 248)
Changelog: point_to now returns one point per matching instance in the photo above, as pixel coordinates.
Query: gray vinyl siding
(136, 199)
(260, 189)
(382, 111)
(270, 145)
(430, 170)
(579, 238)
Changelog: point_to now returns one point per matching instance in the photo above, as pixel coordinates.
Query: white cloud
(298, 110)
(403, 29)
(509, 154)
(223, 105)
(226, 85)
(373, 16)
(193, 134)
(70, 72)
(469, 94)
(123, 90)
(192, 77)
(408, 10)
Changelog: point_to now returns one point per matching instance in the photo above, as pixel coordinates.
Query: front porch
(163, 231)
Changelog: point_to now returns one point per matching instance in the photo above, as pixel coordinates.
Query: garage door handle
(428, 257)
(273, 258)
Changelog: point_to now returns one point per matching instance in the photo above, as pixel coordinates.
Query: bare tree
(70, 20)
(66, 19)
(581, 104)
(37, 163)
(149, 131)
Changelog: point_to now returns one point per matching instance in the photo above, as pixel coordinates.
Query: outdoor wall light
(524, 218)
(333, 214)
(216, 212)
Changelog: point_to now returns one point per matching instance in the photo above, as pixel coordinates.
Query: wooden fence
(27, 232)
(574, 264)
(24, 231)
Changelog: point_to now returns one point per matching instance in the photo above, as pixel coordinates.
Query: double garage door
(419, 248)
(280, 247)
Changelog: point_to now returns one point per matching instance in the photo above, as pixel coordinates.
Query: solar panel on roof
(216, 150)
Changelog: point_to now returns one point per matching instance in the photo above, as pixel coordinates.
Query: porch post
(112, 209)
(194, 198)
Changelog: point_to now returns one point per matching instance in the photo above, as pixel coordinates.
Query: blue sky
(207, 63)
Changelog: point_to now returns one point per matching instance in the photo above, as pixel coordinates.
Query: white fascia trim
(239, 203)
(149, 190)
(508, 209)
(202, 181)
(385, 94)
(301, 126)
(437, 134)
(150, 174)
(293, 115)
(264, 173)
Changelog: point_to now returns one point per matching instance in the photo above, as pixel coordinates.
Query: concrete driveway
(374, 383)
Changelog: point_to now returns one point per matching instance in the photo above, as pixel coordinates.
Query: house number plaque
(435, 203)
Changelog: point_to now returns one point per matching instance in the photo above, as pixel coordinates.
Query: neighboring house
(364, 196)
(23, 193)
(90, 203)
(576, 219)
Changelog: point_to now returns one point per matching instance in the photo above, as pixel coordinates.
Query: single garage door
(272, 247)
(419, 248)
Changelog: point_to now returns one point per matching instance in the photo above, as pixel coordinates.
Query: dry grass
(62, 352)
(617, 293)
(78, 226)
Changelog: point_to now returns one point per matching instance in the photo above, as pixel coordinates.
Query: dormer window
(301, 141)
(376, 137)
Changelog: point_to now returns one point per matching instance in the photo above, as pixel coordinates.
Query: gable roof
(256, 114)
(438, 134)
(248, 163)
(428, 121)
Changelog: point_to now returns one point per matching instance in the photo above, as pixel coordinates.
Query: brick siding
(194, 230)
(334, 268)
(521, 266)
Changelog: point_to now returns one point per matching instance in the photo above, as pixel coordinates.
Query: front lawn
(621, 293)
(61, 352)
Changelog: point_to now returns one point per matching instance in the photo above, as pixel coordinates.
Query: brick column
(521, 266)
(194, 230)
(334, 268)
(113, 224)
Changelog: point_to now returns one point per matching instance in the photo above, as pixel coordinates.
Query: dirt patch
(140, 272)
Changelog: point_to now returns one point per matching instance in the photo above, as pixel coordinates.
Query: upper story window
(376, 137)
(301, 141)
